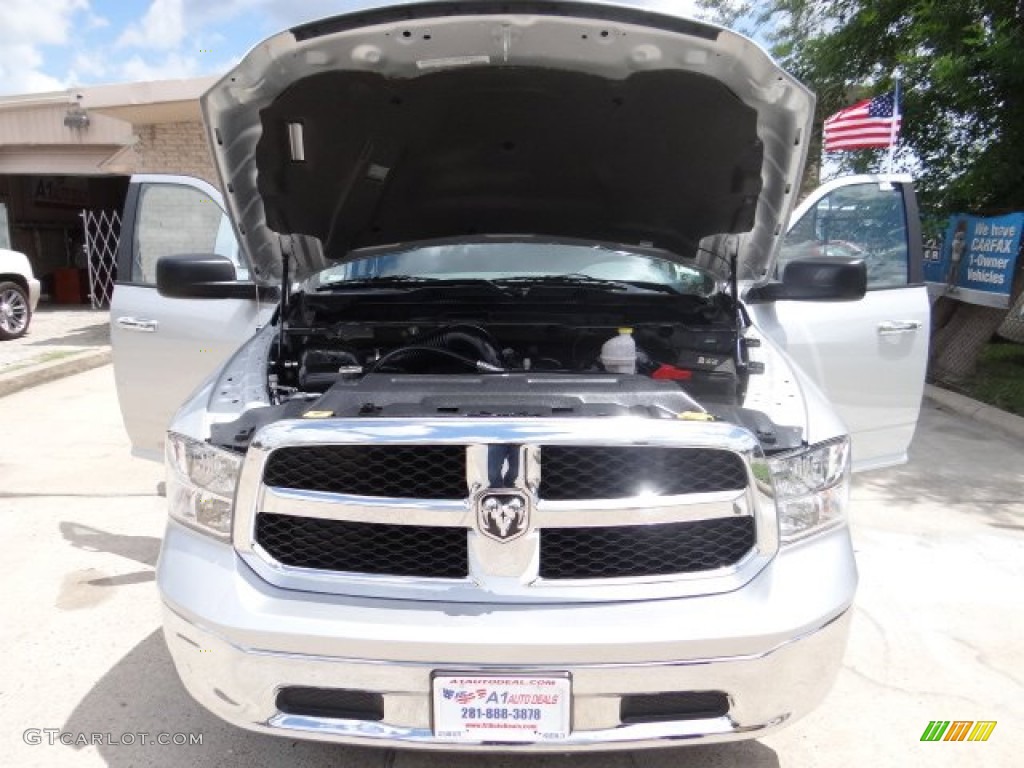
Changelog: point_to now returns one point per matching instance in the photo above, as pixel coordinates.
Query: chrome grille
(565, 553)
(391, 508)
(438, 472)
(342, 545)
(644, 550)
(400, 471)
(618, 472)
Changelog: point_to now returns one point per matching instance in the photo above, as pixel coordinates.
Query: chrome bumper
(774, 647)
(33, 294)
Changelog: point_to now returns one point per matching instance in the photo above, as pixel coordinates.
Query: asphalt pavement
(937, 634)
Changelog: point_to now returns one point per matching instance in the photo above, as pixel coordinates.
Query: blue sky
(48, 45)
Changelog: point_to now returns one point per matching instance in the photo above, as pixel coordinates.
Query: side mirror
(815, 279)
(202, 276)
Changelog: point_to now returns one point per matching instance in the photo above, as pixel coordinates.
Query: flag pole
(893, 127)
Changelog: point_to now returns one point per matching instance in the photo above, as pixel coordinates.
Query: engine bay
(334, 339)
(468, 351)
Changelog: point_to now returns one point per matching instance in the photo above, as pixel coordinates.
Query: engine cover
(505, 395)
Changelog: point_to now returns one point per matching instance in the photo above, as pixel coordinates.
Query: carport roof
(36, 135)
(145, 103)
(141, 103)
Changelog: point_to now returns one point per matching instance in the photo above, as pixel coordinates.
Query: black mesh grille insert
(331, 702)
(339, 545)
(666, 707)
(644, 550)
(615, 472)
(409, 471)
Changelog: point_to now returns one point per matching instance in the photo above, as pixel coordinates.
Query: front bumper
(774, 647)
(33, 293)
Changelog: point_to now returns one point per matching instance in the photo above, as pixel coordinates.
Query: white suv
(19, 294)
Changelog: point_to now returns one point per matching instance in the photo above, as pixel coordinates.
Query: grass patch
(46, 357)
(999, 380)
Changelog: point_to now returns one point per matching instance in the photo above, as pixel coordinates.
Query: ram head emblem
(503, 515)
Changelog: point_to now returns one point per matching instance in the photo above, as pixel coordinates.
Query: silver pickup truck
(524, 399)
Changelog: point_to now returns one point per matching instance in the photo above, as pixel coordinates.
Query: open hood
(600, 122)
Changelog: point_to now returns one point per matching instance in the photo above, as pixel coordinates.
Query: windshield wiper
(409, 281)
(501, 284)
(378, 281)
(575, 278)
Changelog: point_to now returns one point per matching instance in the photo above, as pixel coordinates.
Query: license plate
(527, 708)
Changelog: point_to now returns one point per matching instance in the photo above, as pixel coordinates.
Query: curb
(989, 415)
(55, 369)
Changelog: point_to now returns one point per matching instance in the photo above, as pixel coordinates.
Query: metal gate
(102, 232)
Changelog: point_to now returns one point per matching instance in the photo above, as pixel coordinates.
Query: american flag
(464, 697)
(867, 124)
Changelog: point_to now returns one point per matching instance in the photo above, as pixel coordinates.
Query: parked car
(19, 294)
(505, 436)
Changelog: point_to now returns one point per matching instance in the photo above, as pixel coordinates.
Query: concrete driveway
(938, 631)
(60, 341)
(56, 332)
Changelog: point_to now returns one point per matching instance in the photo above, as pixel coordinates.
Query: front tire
(14, 311)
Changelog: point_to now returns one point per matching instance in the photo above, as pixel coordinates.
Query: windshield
(508, 261)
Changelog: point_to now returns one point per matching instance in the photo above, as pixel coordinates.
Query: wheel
(14, 311)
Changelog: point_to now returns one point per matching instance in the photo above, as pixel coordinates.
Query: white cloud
(36, 22)
(174, 65)
(20, 71)
(162, 27)
(89, 66)
(95, 21)
(205, 12)
(25, 25)
(291, 12)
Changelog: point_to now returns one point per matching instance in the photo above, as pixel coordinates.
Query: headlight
(201, 484)
(812, 488)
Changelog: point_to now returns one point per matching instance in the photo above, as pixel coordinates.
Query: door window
(176, 219)
(864, 221)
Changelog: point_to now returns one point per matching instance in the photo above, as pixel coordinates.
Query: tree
(962, 68)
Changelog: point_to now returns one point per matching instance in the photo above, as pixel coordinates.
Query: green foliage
(999, 379)
(962, 67)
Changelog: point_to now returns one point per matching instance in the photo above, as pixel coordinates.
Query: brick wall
(174, 148)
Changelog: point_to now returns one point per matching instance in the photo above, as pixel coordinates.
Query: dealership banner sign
(977, 259)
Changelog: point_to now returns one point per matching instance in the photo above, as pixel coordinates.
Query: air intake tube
(465, 340)
(429, 360)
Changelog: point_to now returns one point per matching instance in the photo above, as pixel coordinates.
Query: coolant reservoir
(618, 354)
